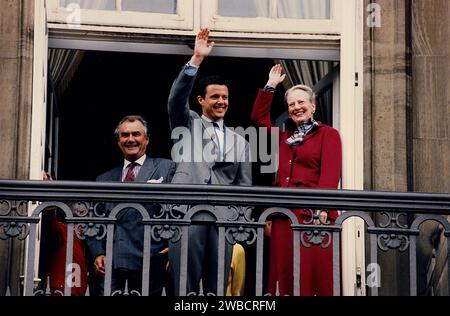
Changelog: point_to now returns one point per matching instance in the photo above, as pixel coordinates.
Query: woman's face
(300, 107)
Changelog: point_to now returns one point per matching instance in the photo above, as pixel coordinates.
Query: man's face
(132, 140)
(215, 103)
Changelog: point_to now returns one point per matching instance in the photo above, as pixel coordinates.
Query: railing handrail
(224, 195)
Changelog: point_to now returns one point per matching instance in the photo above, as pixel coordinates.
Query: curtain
(155, 6)
(62, 65)
(92, 4)
(304, 9)
(244, 8)
(309, 72)
(293, 9)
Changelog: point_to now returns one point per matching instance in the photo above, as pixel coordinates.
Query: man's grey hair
(307, 89)
(131, 118)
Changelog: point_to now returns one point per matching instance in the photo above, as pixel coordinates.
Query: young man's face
(215, 103)
(132, 140)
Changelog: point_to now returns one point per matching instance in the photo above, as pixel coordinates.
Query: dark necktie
(130, 176)
(219, 143)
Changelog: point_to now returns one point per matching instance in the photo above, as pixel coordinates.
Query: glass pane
(91, 4)
(304, 9)
(244, 8)
(156, 6)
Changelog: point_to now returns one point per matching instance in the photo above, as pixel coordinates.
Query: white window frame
(38, 124)
(351, 128)
(210, 18)
(182, 20)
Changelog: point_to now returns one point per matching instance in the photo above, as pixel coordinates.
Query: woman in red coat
(310, 156)
(56, 247)
(53, 251)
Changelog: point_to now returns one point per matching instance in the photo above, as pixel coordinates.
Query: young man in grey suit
(219, 156)
(132, 139)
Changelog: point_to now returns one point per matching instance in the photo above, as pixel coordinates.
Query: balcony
(402, 216)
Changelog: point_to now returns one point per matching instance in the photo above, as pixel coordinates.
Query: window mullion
(118, 5)
(273, 9)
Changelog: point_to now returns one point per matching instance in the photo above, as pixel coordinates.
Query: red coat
(315, 163)
(56, 259)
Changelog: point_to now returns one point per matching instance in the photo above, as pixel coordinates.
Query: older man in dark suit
(219, 156)
(132, 139)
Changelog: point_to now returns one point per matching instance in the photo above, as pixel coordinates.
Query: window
(291, 9)
(91, 4)
(157, 14)
(274, 16)
(264, 17)
(155, 6)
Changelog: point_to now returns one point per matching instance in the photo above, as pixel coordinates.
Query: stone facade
(430, 132)
(407, 114)
(385, 124)
(16, 68)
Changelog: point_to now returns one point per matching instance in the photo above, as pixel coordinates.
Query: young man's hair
(209, 80)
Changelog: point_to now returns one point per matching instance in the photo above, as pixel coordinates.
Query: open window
(98, 88)
(313, 38)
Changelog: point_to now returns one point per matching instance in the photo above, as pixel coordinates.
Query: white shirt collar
(140, 161)
(219, 122)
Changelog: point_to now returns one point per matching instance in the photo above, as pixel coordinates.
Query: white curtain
(244, 8)
(62, 65)
(293, 9)
(304, 9)
(308, 72)
(92, 4)
(156, 6)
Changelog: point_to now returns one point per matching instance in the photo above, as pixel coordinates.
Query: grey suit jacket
(129, 231)
(235, 169)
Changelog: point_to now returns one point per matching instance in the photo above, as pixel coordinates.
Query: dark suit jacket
(236, 169)
(129, 230)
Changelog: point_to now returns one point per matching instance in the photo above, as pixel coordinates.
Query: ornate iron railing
(21, 203)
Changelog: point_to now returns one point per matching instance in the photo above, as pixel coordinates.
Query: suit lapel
(229, 138)
(147, 171)
(230, 141)
(117, 174)
(210, 132)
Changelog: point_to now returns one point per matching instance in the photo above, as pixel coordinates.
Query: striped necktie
(130, 176)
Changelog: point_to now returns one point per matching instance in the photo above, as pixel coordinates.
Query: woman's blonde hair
(307, 89)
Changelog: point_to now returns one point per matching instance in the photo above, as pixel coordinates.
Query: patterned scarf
(300, 133)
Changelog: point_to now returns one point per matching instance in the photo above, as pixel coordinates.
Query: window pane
(304, 9)
(91, 4)
(156, 6)
(244, 8)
